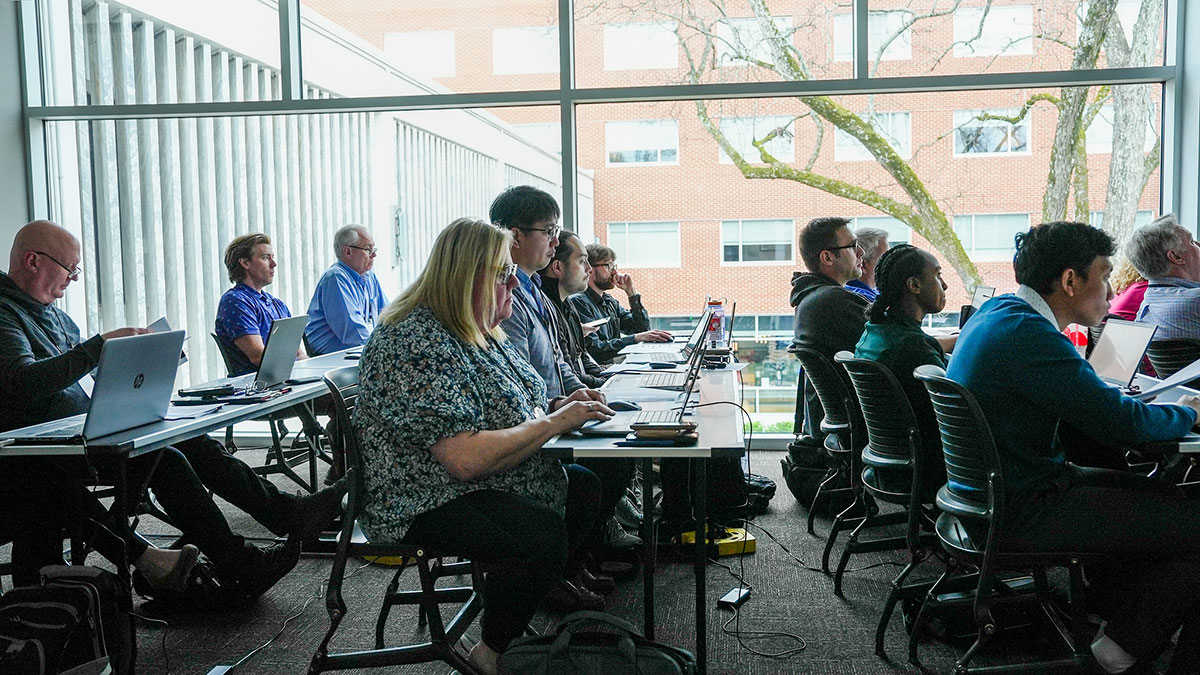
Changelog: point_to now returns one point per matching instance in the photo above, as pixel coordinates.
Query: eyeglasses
(506, 272)
(853, 244)
(551, 232)
(372, 251)
(612, 266)
(72, 272)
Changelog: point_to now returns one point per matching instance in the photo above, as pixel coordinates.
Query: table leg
(650, 544)
(701, 564)
(122, 510)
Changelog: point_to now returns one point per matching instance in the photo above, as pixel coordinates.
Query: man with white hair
(348, 297)
(874, 243)
(1169, 257)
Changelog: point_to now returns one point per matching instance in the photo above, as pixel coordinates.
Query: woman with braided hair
(910, 286)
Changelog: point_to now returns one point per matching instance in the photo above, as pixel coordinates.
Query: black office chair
(305, 447)
(836, 425)
(977, 506)
(343, 388)
(893, 446)
(1170, 356)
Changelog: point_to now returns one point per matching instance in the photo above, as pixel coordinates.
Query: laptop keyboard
(645, 416)
(664, 380)
(73, 429)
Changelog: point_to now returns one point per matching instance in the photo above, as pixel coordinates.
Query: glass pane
(104, 53)
(436, 46)
(913, 37)
(656, 43)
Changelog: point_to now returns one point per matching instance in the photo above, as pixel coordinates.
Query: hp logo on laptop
(137, 381)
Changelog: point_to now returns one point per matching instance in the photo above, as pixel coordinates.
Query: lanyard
(511, 374)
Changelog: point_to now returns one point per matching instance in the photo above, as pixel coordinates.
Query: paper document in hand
(597, 322)
(1183, 376)
(162, 326)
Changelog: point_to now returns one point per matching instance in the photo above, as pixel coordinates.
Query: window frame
(623, 262)
(872, 50)
(791, 242)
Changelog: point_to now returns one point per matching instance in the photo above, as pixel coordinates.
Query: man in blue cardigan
(1026, 376)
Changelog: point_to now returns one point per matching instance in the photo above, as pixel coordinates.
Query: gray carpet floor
(792, 609)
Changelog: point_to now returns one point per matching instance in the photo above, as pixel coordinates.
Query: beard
(606, 284)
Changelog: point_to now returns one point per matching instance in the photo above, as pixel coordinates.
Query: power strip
(729, 541)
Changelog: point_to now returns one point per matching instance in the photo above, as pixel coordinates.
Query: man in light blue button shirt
(348, 297)
(1169, 257)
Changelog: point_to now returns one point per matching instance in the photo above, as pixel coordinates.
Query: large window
(987, 132)
(640, 46)
(989, 237)
(743, 132)
(895, 127)
(642, 142)
(645, 244)
(890, 28)
(525, 50)
(993, 30)
(757, 241)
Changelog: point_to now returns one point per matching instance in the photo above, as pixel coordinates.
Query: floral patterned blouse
(419, 384)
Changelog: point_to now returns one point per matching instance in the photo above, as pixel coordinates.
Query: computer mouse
(659, 365)
(624, 406)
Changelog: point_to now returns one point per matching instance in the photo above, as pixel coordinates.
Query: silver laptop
(620, 423)
(133, 387)
(279, 356)
(674, 349)
(982, 294)
(1119, 353)
(673, 379)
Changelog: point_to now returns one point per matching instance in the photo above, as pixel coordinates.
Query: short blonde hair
(465, 252)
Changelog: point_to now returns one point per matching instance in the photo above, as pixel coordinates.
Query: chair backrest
(226, 354)
(887, 414)
(831, 388)
(343, 391)
(974, 479)
(1170, 356)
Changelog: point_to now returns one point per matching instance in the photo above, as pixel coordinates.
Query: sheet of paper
(597, 322)
(1187, 374)
(191, 412)
(87, 382)
(626, 367)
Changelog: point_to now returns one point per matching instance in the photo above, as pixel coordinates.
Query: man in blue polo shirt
(1027, 376)
(246, 311)
(348, 297)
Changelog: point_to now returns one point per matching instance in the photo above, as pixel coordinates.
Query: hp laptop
(982, 295)
(620, 424)
(645, 352)
(279, 355)
(133, 387)
(1119, 353)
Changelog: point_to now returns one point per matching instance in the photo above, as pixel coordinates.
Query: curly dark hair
(521, 206)
(1047, 250)
(895, 267)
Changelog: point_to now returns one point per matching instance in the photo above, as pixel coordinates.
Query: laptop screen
(982, 295)
(1119, 353)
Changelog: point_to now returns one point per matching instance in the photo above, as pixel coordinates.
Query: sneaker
(600, 584)
(628, 514)
(312, 513)
(570, 596)
(267, 565)
(616, 536)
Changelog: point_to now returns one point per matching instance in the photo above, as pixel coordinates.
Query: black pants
(615, 475)
(521, 543)
(1143, 521)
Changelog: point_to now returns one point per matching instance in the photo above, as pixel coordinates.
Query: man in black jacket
(42, 363)
(567, 274)
(829, 318)
(625, 326)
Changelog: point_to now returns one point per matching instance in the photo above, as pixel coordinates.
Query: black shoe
(597, 583)
(571, 597)
(267, 565)
(314, 512)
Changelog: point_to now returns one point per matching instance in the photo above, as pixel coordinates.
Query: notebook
(133, 387)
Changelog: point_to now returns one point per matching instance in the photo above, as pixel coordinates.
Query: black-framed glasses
(612, 266)
(505, 273)
(551, 232)
(72, 272)
(371, 251)
(853, 244)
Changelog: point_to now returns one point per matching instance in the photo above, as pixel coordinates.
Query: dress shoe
(569, 596)
(616, 537)
(267, 565)
(601, 584)
(312, 513)
(628, 514)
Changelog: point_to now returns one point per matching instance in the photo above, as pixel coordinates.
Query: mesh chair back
(1170, 356)
(831, 389)
(226, 353)
(343, 391)
(886, 412)
(972, 465)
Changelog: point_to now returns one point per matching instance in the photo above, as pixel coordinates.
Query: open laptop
(1119, 353)
(278, 359)
(621, 422)
(676, 380)
(982, 294)
(646, 352)
(133, 387)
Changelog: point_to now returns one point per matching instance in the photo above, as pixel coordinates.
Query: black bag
(113, 602)
(804, 467)
(759, 492)
(574, 651)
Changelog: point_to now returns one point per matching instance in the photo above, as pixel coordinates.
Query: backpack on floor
(805, 466)
(113, 602)
(572, 650)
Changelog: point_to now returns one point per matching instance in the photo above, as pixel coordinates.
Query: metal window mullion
(1173, 111)
(566, 110)
(862, 34)
(290, 56)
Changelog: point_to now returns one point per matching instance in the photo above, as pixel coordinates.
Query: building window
(525, 50)
(742, 131)
(741, 41)
(547, 136)
(1100, 132)
(1143, 217)
(975, 136)
(757, 241)
(640, 46)
(898, 232)
(1006, 30)
(989, 237)
(896, 127)
(642, 142)
(645, 244)
(881, 27)
(429, 53)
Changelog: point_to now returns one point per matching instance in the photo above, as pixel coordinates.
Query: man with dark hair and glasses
(348, 297)
(829, 318)
(624, 326)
